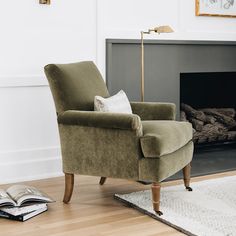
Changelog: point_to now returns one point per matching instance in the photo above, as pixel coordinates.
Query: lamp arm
(146, 32)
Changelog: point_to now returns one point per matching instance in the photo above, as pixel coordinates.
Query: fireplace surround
(164, 61)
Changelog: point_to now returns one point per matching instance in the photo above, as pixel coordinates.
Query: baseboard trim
(30, 154)
(32, 164)
(32, 178)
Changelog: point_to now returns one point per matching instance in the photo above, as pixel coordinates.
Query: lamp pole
(142, 67)
(160, 29)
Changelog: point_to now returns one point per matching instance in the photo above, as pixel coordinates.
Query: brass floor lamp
(159, 30)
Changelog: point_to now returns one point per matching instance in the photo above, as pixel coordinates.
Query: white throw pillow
(118, 103)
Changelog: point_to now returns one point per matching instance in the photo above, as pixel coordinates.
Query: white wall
(33, 35)
(126, 18)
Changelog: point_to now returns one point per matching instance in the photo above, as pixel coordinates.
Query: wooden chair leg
(186, 173)
(69, 185)
(102, 180)
(156, 193)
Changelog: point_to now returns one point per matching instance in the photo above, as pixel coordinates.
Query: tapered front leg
(186, 174)
(156, 194)
(102, 180)
(69, 185)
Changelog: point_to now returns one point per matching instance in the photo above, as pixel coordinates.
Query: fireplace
(208, 101)
(162, 84)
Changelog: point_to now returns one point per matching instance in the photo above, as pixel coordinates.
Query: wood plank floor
(92, 211)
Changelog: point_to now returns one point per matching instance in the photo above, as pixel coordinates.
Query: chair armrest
(154, 110)
(100, 119)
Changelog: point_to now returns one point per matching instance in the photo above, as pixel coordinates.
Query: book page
(26, 194)
(5, 199)
(15, 211)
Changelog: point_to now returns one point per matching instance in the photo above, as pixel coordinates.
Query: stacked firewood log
(210, 124)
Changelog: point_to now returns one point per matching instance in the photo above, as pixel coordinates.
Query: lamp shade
(163, 29)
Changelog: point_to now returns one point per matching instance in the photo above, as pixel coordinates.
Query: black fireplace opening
(208, 101)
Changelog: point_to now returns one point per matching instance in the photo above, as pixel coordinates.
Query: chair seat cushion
(161, 137)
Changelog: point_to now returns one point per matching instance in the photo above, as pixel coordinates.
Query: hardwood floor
(92, 211)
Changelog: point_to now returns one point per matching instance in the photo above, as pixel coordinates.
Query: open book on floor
(25, 216)
(16, 211)
(21, 195)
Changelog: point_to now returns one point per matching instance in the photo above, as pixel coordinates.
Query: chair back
(74, 85)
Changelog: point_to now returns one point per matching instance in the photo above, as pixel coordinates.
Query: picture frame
(48, 2)
(222, 8)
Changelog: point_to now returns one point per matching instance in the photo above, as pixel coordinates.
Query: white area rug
(209, 210)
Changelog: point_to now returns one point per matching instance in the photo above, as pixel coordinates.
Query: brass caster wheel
(189, 189)
(159, 213)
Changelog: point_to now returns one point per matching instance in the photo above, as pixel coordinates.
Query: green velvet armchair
(147, 145)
